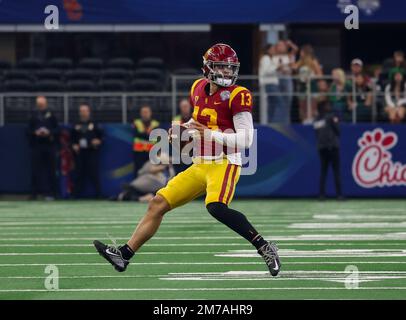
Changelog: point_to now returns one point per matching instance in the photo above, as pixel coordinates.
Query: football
(180, 137)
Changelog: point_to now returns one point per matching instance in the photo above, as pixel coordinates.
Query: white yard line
(95, 253)
(302, 237)
(196, 289)
(347, 225)
(287, 244)
(205, 263)
(286, 274)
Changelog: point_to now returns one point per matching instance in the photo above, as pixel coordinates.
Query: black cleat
(269, 252)
(112, 254)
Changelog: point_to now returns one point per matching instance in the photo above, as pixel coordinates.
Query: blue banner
(373, 161)
(199, 11)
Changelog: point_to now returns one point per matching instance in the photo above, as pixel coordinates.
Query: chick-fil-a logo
(373, 165)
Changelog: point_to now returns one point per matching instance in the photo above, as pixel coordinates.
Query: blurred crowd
(77, 149)
(293, 77)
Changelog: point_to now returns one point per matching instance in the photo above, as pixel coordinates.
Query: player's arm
(243, 136)
(240, 104)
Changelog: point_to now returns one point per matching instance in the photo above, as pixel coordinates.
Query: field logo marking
(352, 280)
(373, 165)
(52, 280)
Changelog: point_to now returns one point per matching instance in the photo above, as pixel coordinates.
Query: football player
(219, 105)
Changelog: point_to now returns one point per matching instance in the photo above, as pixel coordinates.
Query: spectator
(328, 143)
(395, 98)
(363, 102)
(322, 91)
(284, 58)
(150, 178)
(43, 132)
(356, 67)
(307, 67)
(269, 81)
(398, 65)
(141, 145)
(86, 141)
(185, 111)
(339, 91)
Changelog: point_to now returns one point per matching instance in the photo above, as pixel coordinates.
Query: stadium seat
(144, 85)
(149, 73)
(16, 74)
(80, 85)
(18, 85)
(30, 64)
(183, 85)
(91, 63)
(117, 74)
(4, 65)
(81, 74)
(112, 85)
(49, 85)
(187, 71)
(49, 74)
(151, 62)
(60, 63)
(120, 63)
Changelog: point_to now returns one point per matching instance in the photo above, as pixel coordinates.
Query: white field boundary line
(357, 217)
(132, 223)
(188, 217)
(345, 225)
(95, 253)
(285, 274)
(195, 289)
(106, 226)
(118, 238)
(302, 237)
(280, 244)
(203, 263)
(102, 233)
(339, 253)
(370, 209)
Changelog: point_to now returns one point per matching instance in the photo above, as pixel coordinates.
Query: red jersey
(216, 111)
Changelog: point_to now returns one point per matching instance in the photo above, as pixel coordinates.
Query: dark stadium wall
(15, 168)
(336, 46)
(106, 45)
(373, 161)
(241, 38)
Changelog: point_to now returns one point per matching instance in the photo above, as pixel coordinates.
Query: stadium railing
(15, 107)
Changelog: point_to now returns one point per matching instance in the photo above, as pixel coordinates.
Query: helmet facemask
(221, 73)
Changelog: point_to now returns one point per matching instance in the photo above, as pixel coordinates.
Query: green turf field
(195, 257)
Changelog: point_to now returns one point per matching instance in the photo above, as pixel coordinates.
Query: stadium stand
(91, 63)
(60, 63)
(122, 63)
(32, 64)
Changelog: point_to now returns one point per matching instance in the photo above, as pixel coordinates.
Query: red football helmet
(221, 65)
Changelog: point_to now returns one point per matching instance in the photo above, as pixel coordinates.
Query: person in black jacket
(43, 133)
(328, 142)
(86, 138)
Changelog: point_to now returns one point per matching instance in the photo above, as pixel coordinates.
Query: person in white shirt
(275, 69)
(284, 58)
(269, 81)
(395, 98)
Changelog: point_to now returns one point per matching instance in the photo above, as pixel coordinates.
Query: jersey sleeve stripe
(194, 85)
(234, 93)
